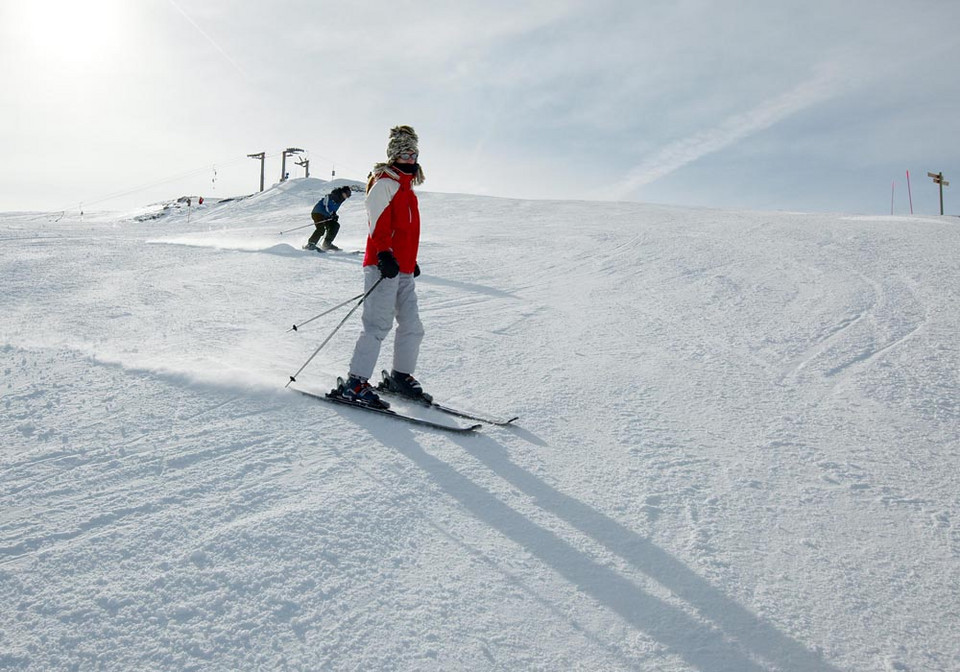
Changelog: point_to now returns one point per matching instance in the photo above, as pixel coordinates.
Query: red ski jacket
(393, 214)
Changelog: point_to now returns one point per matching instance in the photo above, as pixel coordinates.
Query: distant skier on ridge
(326, 220)
(391, 259)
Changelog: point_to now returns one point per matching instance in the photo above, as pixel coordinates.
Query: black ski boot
(359, 391)
(405, 385)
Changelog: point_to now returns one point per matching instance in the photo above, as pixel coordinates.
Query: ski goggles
(408, 156)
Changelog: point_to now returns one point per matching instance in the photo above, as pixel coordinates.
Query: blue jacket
(327, 206)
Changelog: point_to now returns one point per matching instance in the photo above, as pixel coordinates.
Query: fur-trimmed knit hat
(402, 139)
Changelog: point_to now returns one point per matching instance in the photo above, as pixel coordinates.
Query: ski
(423, 422)
(428, 401)
(341, 251)
(318, 250)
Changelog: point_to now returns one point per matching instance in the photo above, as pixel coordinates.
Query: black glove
(387, 263)
(416, 271)
(334, 218)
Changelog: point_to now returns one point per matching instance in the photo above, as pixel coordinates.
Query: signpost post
(938, 179)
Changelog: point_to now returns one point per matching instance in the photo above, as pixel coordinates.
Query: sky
(811, 106)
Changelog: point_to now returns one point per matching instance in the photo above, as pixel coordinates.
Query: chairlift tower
(262, 156)
(289, 151)
(306, 166)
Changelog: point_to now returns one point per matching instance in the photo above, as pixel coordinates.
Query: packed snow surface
(737, 449)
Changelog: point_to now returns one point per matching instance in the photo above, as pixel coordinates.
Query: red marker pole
(909, 193)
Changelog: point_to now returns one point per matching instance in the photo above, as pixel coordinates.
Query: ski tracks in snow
(886, 313)
(731, 454)
(108, 444)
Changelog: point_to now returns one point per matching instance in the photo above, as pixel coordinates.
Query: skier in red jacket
(391, 258)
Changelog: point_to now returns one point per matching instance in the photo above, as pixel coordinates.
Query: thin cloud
(209, 39)
(678, 154)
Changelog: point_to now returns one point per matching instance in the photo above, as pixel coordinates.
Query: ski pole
(293, 378)
(297, 228)
(296, 327)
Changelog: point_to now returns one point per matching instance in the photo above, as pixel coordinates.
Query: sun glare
(71, 34)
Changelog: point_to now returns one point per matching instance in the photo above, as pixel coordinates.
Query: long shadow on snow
(466, 286)
(699, 645)
(705, 647)
(425, 278)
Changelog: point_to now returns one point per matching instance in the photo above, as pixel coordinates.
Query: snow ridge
(738, 446)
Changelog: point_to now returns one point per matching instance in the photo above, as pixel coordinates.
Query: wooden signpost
(938, 179)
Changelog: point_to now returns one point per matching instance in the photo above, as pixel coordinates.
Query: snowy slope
(738, 446)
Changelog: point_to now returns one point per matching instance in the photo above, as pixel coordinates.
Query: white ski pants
(393, 298)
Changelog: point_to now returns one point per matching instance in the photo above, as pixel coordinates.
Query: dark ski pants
(327, 228)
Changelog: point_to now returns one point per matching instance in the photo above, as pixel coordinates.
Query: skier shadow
(425, 278)
(734, 641)
(738, 637)
(486, 290)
